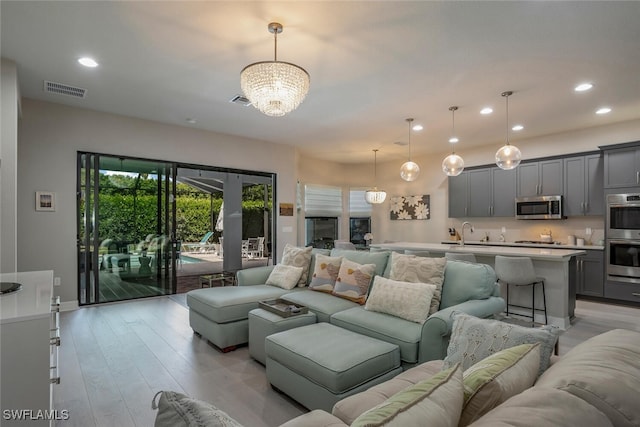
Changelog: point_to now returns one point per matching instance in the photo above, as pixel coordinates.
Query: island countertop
(549, 254)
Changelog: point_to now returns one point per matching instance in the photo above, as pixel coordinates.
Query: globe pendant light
(274, 87)
(453, 165)
(374, 196)
(409, 171)
(509, 156)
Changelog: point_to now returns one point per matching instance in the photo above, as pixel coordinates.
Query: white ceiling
(372, 64)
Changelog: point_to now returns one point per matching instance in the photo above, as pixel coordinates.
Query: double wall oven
(623, 238)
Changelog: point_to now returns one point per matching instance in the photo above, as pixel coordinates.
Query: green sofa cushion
(464, 281)
(231, 303)
(403, 333)
(321, 303)
(380, 259)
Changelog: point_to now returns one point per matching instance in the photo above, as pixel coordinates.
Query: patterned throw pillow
(284, 276)
(498, 377)
(298, 257)
(354, 280)
(411, 268)
(435, 402)
(179, 410)
(473, 339)
(409, 301)
(325, 273)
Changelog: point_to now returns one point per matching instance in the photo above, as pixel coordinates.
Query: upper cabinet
(622, 167)
(543, 178)
(491, 192)
(482, 192)
(583, 185)
(459, 195)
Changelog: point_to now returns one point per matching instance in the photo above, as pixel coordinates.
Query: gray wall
(50, 135)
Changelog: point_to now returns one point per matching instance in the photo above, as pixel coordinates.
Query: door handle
(637, 177)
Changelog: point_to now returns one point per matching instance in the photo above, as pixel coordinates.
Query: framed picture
(45, 201)
(286, 209)
(410, 207)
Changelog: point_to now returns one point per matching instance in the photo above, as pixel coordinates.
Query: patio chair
(201, 246)
(254, 247)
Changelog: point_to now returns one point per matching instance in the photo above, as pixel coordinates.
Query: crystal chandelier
(374, 196)
(274, 87)
(453, 165)
(509, 156)
(409, 171)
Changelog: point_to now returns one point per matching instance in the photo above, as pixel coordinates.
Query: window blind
(322, 200)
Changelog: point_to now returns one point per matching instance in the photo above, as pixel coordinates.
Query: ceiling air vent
(62, 89)
(239, 99)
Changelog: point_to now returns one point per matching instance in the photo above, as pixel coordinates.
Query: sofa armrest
(315, 418)
(253, 276)
(437, 329)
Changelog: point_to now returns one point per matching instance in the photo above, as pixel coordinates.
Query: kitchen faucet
(462, 231)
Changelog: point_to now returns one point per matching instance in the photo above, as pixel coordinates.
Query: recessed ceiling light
(603, 110)
(486, 110)
(517, 128)
(453, 140)
(417, 127)
(88, 62)
(191, 121)
(582, 87)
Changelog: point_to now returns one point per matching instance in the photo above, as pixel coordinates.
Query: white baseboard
(69, 305)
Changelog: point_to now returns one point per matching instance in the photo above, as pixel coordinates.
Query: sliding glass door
(126, 217)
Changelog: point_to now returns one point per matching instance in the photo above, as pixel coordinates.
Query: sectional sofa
(595, 384)
(221, 314)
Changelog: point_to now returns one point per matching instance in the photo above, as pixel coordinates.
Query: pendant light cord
(506, 95)
(275, 46)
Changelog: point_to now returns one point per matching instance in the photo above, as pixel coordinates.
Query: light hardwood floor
(115, 357)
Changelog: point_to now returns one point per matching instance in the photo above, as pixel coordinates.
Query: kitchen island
(557, 266)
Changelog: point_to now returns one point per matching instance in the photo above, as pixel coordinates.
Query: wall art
(410, 207)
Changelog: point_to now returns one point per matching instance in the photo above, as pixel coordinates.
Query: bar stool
(457, 256)
(519, 271)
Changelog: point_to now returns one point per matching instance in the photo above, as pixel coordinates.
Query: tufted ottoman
(320, 364)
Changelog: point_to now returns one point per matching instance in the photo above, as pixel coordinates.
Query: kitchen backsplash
(532, 229)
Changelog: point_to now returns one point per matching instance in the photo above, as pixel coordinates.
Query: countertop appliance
(539, 207)
(623, 238)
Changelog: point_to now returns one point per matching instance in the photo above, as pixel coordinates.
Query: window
(322, 201)
(359, 217)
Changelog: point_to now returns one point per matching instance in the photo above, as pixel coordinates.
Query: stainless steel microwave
(539, 207)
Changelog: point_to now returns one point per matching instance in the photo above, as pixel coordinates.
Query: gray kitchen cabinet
(479, 193)
(583, 185)
(482, 192)
(543, 178)
(503, 192)
(622, 167)
(590, 274)
(458, 195)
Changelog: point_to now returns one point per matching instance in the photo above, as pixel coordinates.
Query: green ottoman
(263, 323)
(320, 364)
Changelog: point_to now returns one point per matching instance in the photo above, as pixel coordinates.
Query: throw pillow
(495, 379)
(325, 273)
(410, 301)
(179, 410)
(284, 276)
(298, 257)
(353, 281)
(473, 339)
(435, 402)
(411, 268)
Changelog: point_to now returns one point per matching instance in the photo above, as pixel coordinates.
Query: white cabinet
(28, 350)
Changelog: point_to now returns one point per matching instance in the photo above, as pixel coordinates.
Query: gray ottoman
(320, 364)
(263, 323)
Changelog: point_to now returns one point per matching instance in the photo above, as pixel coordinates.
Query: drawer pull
(55, 380)
(635, 294)
(54, 341)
